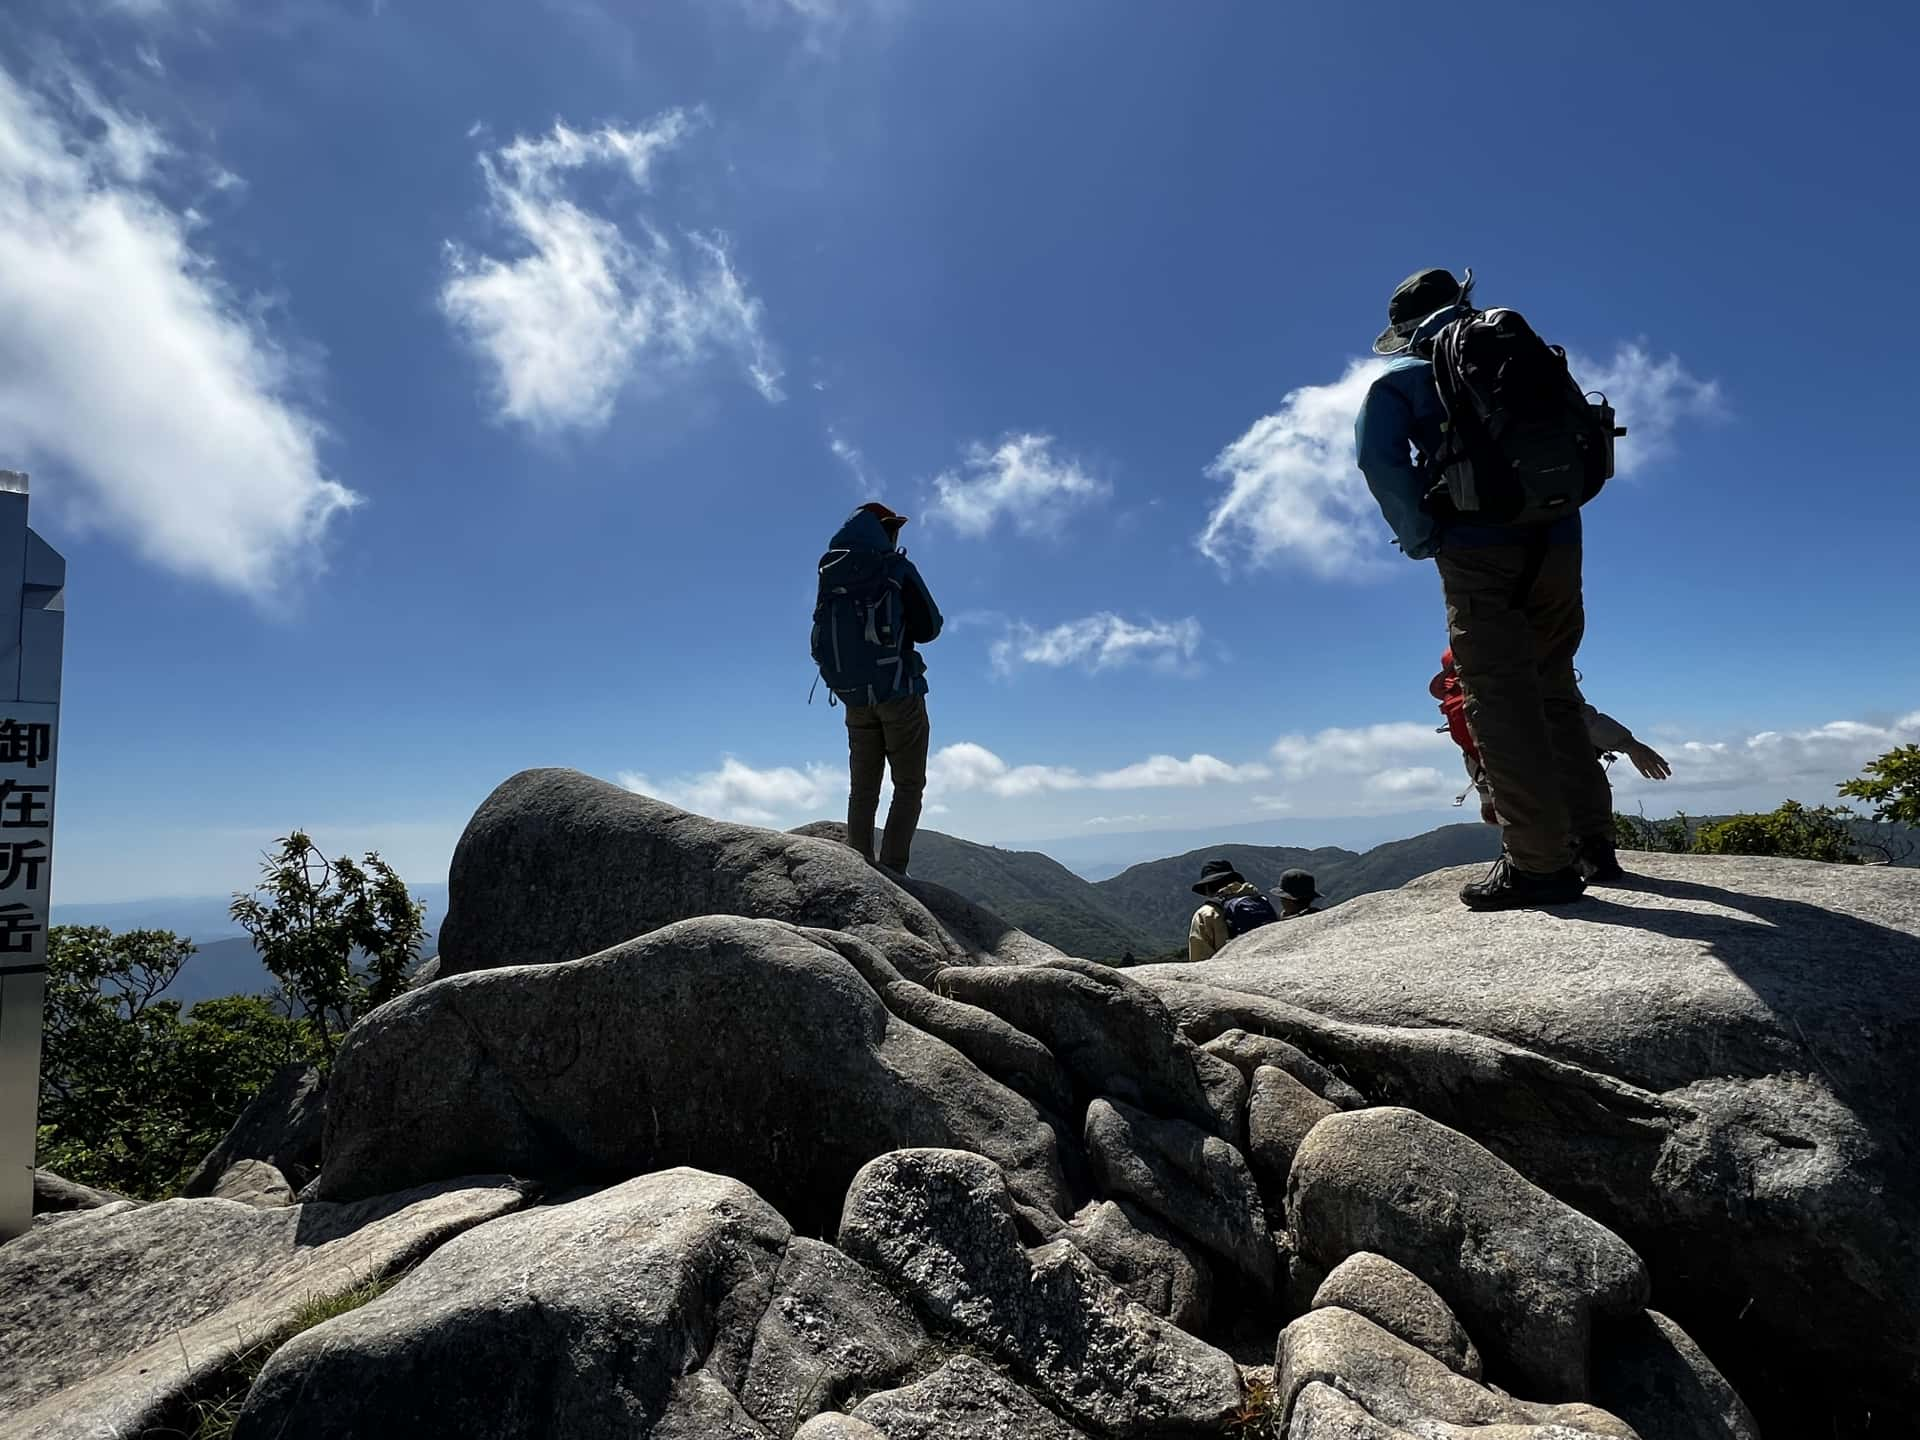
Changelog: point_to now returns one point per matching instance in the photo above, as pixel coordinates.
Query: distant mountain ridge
(1144, 911)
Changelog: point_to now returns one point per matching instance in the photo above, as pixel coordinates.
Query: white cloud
(1651, 397)
(1020, 479)
(1342, 771)
(1819, 758)
(737, 791)
(822, 21)
(970, 767)
(1363, 750)
(1159, 772)
(848, 454)
(1295, 496)
(1293, 491)
(158, 9)
(585, 310)
(785, 795)
(154, 400)
(1098, 642)
(1387, 769)
(1407, 781)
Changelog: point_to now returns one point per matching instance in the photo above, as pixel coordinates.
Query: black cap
(1214, 874)
(1298, 885)
(1414, 299)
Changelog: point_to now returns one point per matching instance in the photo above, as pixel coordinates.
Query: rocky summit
(700, 1130)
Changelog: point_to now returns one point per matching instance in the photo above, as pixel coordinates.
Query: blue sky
(421, 391)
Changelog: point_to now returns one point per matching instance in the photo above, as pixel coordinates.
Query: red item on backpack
(1445, 687)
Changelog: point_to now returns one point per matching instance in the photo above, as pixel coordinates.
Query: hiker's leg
(866, 767)
(908, 732)
(1559, 618)
(1493, 650)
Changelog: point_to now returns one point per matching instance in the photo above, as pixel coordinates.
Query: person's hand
(1649, 761)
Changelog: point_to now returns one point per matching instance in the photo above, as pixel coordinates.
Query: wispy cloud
(1365, 749)
(585, 310)
(848, 454)
(155, 401)
(1653, 397)
(1098, 642)
(1390, 768)
(1812, 761)
(161, 9)
(822, 22)
(1409, 781)
(1019, 480)
(1294, 495)
(737, 791)
(970, 767)
(787, 794)
(1395, 765)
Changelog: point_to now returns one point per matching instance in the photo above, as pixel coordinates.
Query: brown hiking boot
(1507, 887)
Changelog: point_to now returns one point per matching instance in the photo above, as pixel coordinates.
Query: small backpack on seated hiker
(1247, 912)
(1521, 444)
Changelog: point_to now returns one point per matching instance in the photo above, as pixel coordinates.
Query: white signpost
(33, 581)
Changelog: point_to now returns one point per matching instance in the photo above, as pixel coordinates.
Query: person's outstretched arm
(1383, 441)
(1608, 733)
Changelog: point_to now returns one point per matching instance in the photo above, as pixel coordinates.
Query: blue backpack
(860, 626)
(1247, 912)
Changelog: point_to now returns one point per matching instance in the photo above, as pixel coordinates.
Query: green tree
(340, 937)
(1891, 784)
(132, 1095)
(1793, 831)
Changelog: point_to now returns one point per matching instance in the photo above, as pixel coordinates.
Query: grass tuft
(1258, 1417)
(215, 1417)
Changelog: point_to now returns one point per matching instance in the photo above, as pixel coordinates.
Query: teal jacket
(1398, 426)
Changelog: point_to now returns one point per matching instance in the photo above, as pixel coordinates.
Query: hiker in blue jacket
(873, 610)
(1515, 617)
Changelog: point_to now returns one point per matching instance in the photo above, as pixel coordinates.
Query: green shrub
(1636, 832)
(131, 1094)
(1792, 832)
(340, 937)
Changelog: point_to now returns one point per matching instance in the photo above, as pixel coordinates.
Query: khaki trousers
(891, 736)
(1513, 645)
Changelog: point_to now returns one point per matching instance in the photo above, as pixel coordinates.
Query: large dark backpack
(1247, 912)
(860, 626)
(1522, 445)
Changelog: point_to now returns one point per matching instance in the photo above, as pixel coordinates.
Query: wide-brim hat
(892, 519)
(1298, 885)
(1415, 298)
(1216, 873)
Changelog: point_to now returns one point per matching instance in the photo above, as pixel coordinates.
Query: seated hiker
(1609, 737)
(872, 609)
(1232, 908)
(1297, 893)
